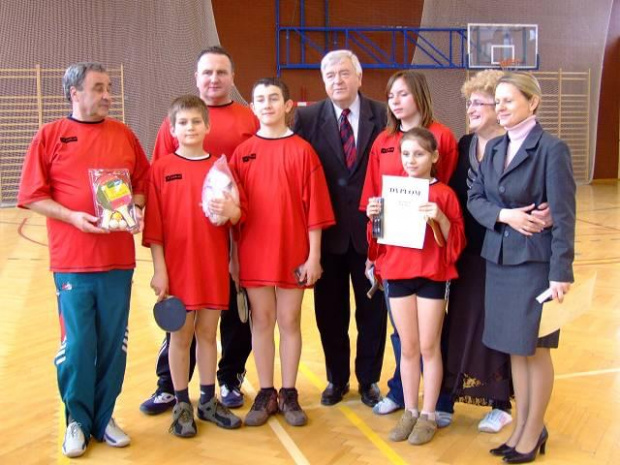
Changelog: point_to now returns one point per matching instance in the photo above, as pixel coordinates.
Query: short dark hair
(187, 102)
(216, 50)
(273, 81)
(76, 73)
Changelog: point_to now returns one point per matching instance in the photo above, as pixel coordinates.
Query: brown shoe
(403, 428)
(288, 403)
(423, 431)
(265, 405)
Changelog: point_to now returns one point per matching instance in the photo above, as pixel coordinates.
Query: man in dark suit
(342, 129)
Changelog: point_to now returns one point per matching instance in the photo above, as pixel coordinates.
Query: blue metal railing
(300, 47)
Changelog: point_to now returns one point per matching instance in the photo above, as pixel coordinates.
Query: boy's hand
(226, 207)
(159, 284)
(311, 271)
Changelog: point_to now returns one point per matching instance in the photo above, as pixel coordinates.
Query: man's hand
(85, 222)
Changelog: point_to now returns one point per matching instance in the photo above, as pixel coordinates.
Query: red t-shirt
(196, 251)
(432, 262)
(230, 124)
(379, 163)
(284, 184)
(56, 167)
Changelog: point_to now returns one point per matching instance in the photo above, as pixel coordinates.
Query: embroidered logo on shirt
(174, 177)
(249, 157)
(387, 150)
(66, 140)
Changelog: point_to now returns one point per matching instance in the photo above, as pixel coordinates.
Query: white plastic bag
(219, 179)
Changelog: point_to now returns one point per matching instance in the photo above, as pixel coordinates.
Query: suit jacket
(318, 125)
(541, 171)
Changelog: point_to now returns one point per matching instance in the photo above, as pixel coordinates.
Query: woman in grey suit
(521, 170)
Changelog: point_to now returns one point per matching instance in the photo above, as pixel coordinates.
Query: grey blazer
(541, 171)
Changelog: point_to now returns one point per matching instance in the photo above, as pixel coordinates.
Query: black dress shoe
(371, 395)
(333, 394)
(518, 457)
(502, 450)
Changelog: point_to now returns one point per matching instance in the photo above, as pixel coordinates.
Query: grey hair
(335, 56)
(76, 73)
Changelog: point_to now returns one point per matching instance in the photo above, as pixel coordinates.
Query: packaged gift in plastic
(219, 180)
(113, 199)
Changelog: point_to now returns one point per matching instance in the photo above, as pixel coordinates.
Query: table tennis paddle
(441, 241)
(170, 314)
(243, 305)
(114, 195)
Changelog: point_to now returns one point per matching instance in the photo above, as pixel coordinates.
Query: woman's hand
(521, 220)
(558, 290)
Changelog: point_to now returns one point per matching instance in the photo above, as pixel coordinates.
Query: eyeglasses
(478, 103)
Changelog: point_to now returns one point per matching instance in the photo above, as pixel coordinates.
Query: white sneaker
(114, 436)
(385, 406)
(494, 421)
(75, 442)
(443, 419)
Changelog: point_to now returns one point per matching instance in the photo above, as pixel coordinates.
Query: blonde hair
(417, 85)
(483, 82)
(525, 83)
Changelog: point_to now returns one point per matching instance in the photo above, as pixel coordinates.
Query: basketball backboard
(506, 46)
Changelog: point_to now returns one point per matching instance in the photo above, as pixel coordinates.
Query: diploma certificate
(403, 224)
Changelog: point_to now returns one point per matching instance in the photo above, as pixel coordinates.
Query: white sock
(414, 412)
(429, 415)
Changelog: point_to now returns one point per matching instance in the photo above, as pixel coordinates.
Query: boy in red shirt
(190, 260)
(288, 203)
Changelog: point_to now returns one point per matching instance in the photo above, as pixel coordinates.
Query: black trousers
(333, 312)
(236, 340)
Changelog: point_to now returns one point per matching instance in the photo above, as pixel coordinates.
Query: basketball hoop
(509, 64)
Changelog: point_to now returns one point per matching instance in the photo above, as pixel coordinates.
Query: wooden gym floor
(583, 418)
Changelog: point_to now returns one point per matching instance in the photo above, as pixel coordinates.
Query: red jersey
(195, 250)
(432, 262)
(284, 184)
(230, 124)
(56, 167)
(386, 143)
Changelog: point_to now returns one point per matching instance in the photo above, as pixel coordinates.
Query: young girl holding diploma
(417, 283)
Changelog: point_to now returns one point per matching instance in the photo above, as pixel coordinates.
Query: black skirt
(473, 373)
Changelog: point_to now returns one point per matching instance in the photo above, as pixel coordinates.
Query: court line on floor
(20, 231)
(373, 437)
(580, 374)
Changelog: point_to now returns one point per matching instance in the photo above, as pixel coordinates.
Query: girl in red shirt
(416, 285)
